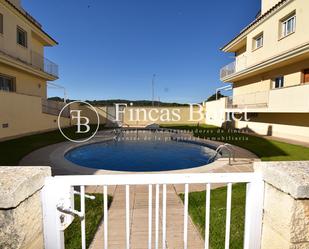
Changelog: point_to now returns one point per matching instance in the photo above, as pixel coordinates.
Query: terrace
(32, 59)
(236, 66)
(271, 101)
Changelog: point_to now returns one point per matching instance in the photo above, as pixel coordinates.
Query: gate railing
(58, 192)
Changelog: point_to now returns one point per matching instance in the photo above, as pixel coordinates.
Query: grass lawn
(12, 151)
(94, 215)
(218, 215)
(267, 150)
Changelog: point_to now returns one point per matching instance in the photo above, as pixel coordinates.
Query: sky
(110, 49)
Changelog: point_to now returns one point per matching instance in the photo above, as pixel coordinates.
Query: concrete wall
(295, 99)
(15, 2)
(21, 218)
(23, 114)
(286, 205)
(267, 4)
(290, 125)
(215, 112)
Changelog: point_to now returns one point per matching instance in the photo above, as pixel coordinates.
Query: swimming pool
(141, 155)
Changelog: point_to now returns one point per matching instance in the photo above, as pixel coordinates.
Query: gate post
(254, 213)
(53, 235)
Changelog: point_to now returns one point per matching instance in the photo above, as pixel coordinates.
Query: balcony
(250, 100)
(44, 64)
(236, 66)
(54, 108)
(228, 70)
(34, 59)
(292, 99)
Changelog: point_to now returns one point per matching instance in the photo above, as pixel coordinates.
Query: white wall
(293, 132)
(215, 112)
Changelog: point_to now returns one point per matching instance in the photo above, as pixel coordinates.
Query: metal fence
(58, 205)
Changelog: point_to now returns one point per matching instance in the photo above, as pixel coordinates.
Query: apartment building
(270, 74)
(24, 73)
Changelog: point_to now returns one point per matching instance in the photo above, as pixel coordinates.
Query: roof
(258, 19)
(31, 19)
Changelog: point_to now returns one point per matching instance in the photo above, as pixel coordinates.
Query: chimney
(268, 4)
(17, 3)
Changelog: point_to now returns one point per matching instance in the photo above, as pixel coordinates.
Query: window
(7, 84)
(258, 41)
(21, 37)
(279, 82)
(1, 23)
(288, 25)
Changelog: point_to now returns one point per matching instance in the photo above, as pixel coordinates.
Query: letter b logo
(79, 121)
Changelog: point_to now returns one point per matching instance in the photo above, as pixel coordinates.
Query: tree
(214, 97)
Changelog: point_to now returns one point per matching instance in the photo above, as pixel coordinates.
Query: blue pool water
(140, 155)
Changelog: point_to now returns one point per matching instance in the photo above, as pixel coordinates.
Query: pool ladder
(229, 148)
(118, 132)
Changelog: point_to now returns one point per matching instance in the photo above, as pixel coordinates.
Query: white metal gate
(58, 204)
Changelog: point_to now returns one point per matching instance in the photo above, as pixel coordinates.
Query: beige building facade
(270, 73)
(24, 73)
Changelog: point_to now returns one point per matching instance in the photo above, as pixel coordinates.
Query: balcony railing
(54, 108)
(34, 59)
(228, 70)
(44, 64)
(239, 64)
(251, 100)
